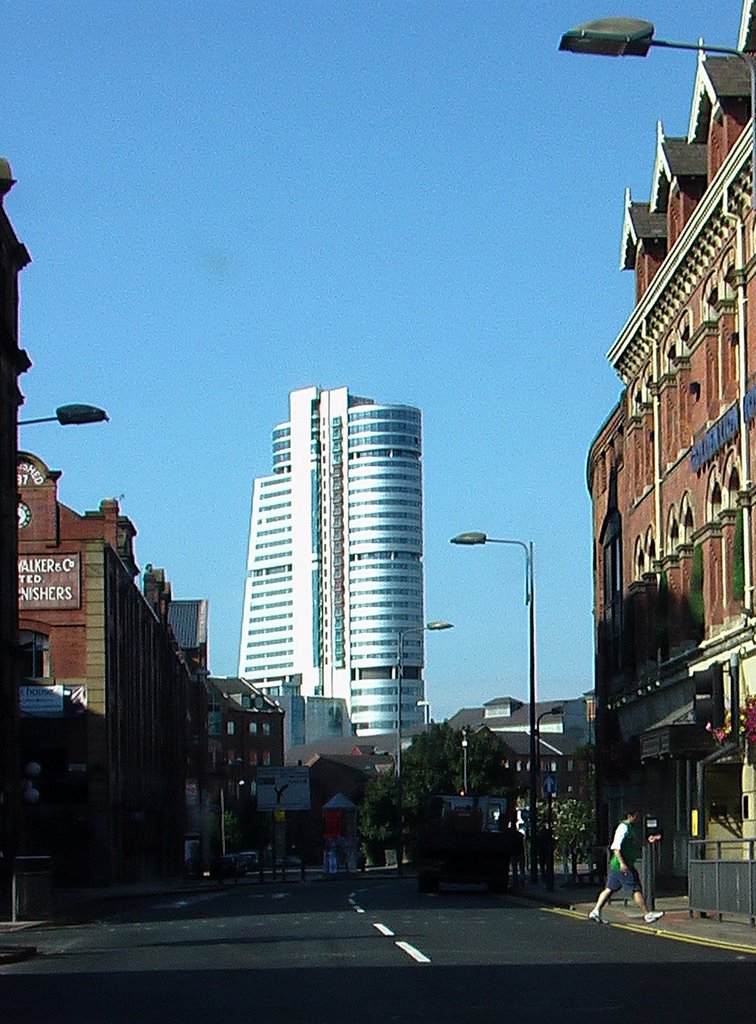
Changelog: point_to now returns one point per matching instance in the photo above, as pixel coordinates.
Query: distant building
(335, 572)
(102, 696)
(562, 738)
(245, 732)
(13, 362)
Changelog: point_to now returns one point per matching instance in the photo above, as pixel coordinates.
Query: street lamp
(482, 538)
(549, 851)
(436, 624)
(67, 415)
(631, 37)
(464, 762)
(425, 705)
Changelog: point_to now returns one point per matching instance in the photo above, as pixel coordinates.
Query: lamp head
(610, 37)
(469, 538)
(68, 414)
(439, 624)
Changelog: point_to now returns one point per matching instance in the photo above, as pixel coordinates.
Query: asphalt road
(370, 951)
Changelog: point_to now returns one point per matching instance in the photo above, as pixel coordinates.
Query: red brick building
(245, 732)
(103, 698)
(671, 477)
(13, 362)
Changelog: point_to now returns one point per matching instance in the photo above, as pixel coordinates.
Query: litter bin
(32, 889)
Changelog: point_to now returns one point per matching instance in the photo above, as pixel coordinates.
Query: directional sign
(549, 784)
(283, 789)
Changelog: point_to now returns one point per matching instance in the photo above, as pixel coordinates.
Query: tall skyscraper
(333, 601)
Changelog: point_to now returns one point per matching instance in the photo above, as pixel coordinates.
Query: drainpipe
(658, 531)
(745, 458)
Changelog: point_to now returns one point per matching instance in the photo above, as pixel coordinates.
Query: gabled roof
(747, 34)
(188, 620)
(470, 718)
(640, 224)
(717, 79)
(675, 158)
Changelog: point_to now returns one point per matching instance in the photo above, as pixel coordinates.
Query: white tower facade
(333, 600)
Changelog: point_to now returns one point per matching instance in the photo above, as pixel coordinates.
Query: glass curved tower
(333, 601)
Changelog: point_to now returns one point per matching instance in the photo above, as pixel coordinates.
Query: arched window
(640, 559)
(714, 499)
(35, 655)
(686, 521)
(673, 530)
(709, 299)
(725, 287)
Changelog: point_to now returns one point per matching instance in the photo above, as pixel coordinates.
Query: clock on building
(24, 515)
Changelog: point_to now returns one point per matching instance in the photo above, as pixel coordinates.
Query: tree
(377, 815)
(573, 824)
(433, 764)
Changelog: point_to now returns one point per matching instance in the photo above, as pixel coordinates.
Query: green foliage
(738, 560)
(573, 821)
(377, 814)
(433, 764)
(662, 616)
(696, 595)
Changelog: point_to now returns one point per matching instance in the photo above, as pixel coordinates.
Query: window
(266, 728)
(35, 655)
(252, 728)
(266, 757)
(230, 728)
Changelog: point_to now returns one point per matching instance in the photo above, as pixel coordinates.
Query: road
(369, 950)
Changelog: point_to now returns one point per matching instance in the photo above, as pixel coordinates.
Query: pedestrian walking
(622, 873)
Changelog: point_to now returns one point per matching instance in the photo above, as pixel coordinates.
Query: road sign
(283, 789)
(549, 783)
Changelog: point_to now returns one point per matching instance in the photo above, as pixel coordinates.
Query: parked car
(225, 866)
(247, 860)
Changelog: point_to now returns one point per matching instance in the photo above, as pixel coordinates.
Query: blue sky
(421, 201)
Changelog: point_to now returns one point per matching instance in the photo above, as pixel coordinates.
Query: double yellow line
(662, 933)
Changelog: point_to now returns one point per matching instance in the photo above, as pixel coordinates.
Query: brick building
(671, 477)
(13, 362)
(245, 731)
(103, 695)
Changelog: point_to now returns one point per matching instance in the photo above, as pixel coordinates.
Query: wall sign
(49, 581)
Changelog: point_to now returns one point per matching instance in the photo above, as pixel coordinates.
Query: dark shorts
(616, 880)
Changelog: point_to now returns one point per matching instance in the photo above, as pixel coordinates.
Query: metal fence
(722, 877)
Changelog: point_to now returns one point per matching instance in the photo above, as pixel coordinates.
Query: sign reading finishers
(49, 581)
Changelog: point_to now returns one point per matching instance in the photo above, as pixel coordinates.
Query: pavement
(575, 900)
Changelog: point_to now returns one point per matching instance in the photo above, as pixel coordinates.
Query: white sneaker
(653, 915)
(595, 916)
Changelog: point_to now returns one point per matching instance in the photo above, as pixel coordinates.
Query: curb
(14, 954)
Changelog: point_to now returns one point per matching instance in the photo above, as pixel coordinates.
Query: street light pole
(464, 762)
(436, 624)
(631, 37)
(482, 538)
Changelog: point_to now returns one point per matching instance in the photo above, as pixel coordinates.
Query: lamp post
(631, 37)
(425, 705)
(436, 624)
(464, 762)
(482, 538)
(556, 710)
(67, 415)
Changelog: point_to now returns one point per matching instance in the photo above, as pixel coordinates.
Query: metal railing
(722, 877)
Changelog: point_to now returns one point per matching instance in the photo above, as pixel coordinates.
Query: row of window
(252, 728)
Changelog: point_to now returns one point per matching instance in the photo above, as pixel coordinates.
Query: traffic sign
(549, 783)
(283, 789)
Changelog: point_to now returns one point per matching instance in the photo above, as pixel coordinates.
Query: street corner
(15, 954)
